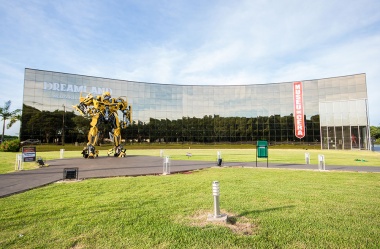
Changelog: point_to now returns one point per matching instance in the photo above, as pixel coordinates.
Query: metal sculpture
(104, 109)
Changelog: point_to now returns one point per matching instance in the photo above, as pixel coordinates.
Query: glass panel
(361, 110)
(354, 137)
(30, 74)
(331, 138)
(345, 113)
(339, 137)
(347, 137)
(244, 113)
(324, 138)
(338, 119)
(363, 137)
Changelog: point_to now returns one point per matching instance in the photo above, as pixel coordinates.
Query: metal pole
(216, 193)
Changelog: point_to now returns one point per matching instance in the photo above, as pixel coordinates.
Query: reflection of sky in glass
(348, 112)
(163, 101)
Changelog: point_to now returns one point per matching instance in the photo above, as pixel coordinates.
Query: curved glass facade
(335, 110)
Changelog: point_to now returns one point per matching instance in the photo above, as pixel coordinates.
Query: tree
(6, 114)
(375, 132)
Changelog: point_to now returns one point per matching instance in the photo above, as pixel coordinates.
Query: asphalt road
(22, 181)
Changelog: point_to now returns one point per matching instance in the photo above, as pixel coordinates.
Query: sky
(213, 42)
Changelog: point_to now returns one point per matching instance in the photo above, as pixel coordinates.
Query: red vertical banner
(299, 122)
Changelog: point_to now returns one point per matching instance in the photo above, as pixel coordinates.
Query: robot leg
(91, 152)
(119, 150)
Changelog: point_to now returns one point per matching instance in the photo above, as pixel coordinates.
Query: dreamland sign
(62, 91)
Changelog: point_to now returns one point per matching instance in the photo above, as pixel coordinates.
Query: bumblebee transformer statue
(104, 109)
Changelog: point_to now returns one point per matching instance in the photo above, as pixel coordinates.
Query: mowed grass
(290, 156)
(284, 208)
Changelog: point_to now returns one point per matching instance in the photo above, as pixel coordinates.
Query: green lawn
(295, 156)
(269, 209)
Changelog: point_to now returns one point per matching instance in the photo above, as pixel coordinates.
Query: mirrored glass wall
(202, 114)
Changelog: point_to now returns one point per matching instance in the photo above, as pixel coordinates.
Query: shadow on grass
(233, 220)
(264, 210)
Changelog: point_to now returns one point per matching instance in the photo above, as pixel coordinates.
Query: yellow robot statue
(104, 109)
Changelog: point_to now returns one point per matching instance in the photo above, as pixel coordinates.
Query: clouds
(192, 42)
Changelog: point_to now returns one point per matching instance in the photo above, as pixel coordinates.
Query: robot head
(106, 96)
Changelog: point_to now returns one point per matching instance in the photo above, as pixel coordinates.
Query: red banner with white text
(299, 122)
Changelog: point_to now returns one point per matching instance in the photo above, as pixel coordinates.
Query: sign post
(29, 154)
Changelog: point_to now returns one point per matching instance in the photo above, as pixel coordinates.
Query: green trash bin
(262, 150)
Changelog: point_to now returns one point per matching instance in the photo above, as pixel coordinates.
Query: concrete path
(21, 181)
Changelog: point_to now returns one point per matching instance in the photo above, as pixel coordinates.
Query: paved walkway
(21, 181)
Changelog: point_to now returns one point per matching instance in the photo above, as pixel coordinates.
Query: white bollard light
(217, 216)
(321, 162)
(61, 152)
(307, 158)
(219, 158)
(18, 164)
(216, 194)
(166, 166)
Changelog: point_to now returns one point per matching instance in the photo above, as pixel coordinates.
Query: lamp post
(63, 125)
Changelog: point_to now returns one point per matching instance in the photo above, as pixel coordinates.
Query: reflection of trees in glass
(25, 131)
(208, 129)
(81, 127)
(47, 126)
(46, 123)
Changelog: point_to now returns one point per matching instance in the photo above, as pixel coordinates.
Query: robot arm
(126, 110)
(127, 116)
(82, 107)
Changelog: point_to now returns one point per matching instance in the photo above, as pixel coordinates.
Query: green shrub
(10, 146)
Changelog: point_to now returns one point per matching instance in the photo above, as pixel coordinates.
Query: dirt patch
(237, 224)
